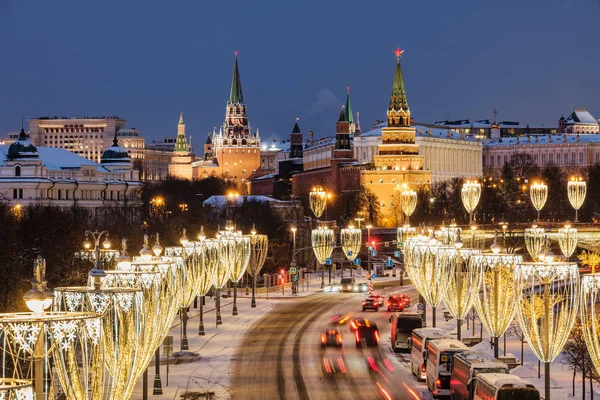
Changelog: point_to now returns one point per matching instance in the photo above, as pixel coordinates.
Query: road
(280, 356)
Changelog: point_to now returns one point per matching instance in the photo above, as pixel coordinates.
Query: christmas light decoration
(351, 239)
(258, 256)
(317, 200)
(538, 192)
(408, 201)
(470, 194)
(16, 389)
(534, 240)
(567, 240)
(576, 191)
(322, 240)
(590, 320)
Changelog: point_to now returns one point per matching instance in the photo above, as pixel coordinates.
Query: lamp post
(225, 263)
(97, 272)
(470, 194)
(258, 255)
(243, 249)
(369, 249)
(351, 239)
(293, 229)
(576, 191)
(548, 299)
(231, 196)
(538, 192)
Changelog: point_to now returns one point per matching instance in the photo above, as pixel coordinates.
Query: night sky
(148, 60)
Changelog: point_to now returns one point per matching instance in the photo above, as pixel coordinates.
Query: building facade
(579, 121)
(32, 175)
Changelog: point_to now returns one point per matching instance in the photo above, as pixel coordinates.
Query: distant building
(482, 129)
(580, 121)
(286, 210)
(44, 175)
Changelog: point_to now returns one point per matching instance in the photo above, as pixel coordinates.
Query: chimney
(549, 138)
(564, 138)
(311, 135)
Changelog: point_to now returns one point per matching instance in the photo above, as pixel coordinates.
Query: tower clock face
(235, 121)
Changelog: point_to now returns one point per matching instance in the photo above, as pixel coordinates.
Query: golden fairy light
(351, 239)
(547, 303)
(538, 192)
(258, 256)
(576, 191)
(495, 301)
(322, 240)
(590, 320)
(317, 199)
(408, 201)
(242, 259)
(227, 252)
(534, 240)
(470, 194)
(567, 240)
(403, 233)
(16, 389)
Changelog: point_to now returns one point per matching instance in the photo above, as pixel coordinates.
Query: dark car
(331, 337)
(370, 303)
(356, 322)
(395, 303)
(362, 287)
(367, 335)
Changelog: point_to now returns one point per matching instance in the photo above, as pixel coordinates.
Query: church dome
(115, 154)
(22, 148)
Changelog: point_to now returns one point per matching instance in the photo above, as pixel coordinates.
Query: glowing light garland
(590, 320)
(429, 271)
(322, 240)
(470, 194)
(317, 199)
(16, 389)
(567, 240)
(258, 256)
(351, 239)
(534, 240)
(538, 192)
(576, 191)
(408, 201)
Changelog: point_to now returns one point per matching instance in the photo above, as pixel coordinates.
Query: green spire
(181, 144)
(236, 96)
(181, 118)
(349, 117)
(342, 117)
(398, 99)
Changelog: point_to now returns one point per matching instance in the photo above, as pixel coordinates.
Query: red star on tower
(398, 53)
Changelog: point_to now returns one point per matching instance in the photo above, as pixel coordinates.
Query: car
(367, 335)
(347, 284)
(379, 299)
(339, 319)
(362, 287)
(331, 337)
(395, 303)
(370, 303)
(405, 299)
(356, 322)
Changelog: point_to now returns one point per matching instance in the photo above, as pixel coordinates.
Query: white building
(580, 121)
(54, 176)
(447, 154)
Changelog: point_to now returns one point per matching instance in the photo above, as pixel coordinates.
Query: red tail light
(424, 369)
(353, 325)
(340, 338)
(377, 336)
(438, 383)
(323, 339)
(357, 337)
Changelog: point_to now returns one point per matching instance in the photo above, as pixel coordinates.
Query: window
(580, 157)
(15, 193)
(491, 161)
(544, 158)
(381, 181)
(558, 158)
(498, 160)
(572, 158)
(17, 170)
(60, 194)
(551, 158)
(535, 158)
(505, 159)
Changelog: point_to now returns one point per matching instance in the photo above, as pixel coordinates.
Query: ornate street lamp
(538, 192)
(227, 253)
(209, 261)
(548, 298)
(258, 255)
(463, 283)
(242, 259)
(470, 194)
(590, 320)
(567, 240)
(408, 202)
(317, 199)
(351, 239)
(576, 191)
(495, 301)
(534, 241)
(322, 240)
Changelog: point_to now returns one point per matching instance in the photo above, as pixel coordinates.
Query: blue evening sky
(148, 60)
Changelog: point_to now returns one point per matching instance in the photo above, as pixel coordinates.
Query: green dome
(22, 148)
(115, 154)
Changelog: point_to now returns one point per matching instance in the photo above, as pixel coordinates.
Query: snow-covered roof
(275, 146)
(581, 116)
(223, 201)
(436, 333)
(326, 141)
(543, 139)
(423, 131)
(267, 176)
(499, 380)
(448, 344)
(54, 158)
(482, 123)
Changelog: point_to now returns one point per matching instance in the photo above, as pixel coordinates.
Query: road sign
(420, 306)
(349, 253)
(389, 263)
(292, 270)
(293, 263)
(369, 248)
(399, 245)
(397, 253)
(373, 276)
(328, 261)
(420, 312)
(357, 261)
(374, 253)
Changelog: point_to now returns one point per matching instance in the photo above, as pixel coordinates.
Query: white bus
(504, 387)
(439, 364)
(418, 352)
(465, 368)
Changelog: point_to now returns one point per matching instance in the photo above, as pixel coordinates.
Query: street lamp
(258, 255)
(470, 194)
(576, 191)
(538, 192)
(243, 250)
(226, 261)
(97, 272)
(369, 248)
(547, 302)
(293, 229)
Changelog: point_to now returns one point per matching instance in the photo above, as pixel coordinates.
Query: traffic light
(372, 243)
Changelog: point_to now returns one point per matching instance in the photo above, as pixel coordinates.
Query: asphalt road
(280, 356)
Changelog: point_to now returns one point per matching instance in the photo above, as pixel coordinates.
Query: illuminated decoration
(258, 256)
(209, 262)
(590, 321)
(567, 240)
(463, 282)
(534, 240)
(576, 191)
(398, 53)
(495, 301)
(322, 240)
(351, 239)
(16, 389)
(403, 233)
(242, 258)
(470, 194)
(448, 234)
(409, 201)
(538, 192)
(122, 311)
(227, 253)
(317, 199)
(547, 302)
(74, 342)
